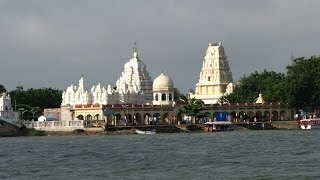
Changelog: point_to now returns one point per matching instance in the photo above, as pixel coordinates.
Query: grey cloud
(51, 43)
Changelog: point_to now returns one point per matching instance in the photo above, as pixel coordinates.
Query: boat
(219, 126)
(145, 132)
(313, 123)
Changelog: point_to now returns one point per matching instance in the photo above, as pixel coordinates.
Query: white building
(7, 112)
(215, 78)
(134, 86)
(163, 90)
(5, 102)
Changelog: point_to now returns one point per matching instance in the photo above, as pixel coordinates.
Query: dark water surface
(224, 155)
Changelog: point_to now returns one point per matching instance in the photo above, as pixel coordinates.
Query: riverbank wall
(289, 125)
(9, 130)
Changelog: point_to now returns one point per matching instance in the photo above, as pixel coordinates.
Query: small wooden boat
(145, 132)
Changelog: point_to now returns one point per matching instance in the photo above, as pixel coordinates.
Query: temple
(134, 86)
(215, 76)
(136, 99)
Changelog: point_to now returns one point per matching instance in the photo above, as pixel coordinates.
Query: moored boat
(219, 126)
(310, 123)
(145, 132)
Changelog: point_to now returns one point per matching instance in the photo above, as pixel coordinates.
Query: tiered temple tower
(135, 79)
(215, 76)
(134, 86)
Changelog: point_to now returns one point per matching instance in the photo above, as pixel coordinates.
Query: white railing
(56, 125)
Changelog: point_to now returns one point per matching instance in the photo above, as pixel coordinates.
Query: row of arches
(89, 117)
(266, 115)
(156, 118)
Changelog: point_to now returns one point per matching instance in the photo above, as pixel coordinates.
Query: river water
(290, 154)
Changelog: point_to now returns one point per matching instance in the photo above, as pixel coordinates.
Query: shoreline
(191, 128)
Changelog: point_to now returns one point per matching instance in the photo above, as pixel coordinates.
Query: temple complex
(215, 76)
(137, 100)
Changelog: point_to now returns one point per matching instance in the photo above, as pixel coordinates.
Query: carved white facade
(215, 78)
(134, 86)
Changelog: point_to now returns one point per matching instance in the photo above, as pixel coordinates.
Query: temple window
(170, 97)
(156, 97)
(163, 97)
(208, 78)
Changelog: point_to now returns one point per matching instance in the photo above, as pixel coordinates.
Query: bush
(34, 132)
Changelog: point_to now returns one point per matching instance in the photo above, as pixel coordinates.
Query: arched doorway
(242, 116)
(138, 119)
(80, 117)
(266, 116)
(275, 116)
(156, 118)
(250, 115)
(283, 115)
(89, 117)
(97, 117)
(118, 120)
(233, 116)
(166, 119)
(147, 119)
(259, 116)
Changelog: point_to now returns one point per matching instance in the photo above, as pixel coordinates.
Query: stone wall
(7, 129)
(285, 124)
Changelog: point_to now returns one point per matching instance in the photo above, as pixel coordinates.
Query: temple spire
(135, 51)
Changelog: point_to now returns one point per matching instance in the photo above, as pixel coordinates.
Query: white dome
(162, 82)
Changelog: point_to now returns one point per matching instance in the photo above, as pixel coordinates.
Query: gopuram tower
(215, 76)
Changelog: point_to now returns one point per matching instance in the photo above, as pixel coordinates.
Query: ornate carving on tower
(136, 81)
(215, 77)
(133, 86)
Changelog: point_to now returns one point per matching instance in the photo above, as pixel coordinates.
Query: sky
(51, 43)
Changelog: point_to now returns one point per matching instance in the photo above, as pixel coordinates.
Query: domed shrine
(163, 90)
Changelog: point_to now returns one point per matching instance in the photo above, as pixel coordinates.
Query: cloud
(63, 39)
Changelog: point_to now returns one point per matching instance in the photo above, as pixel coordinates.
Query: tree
(303, 83)
(193, 108)
(41, 98)
(2, 89)
(177, 94)
(269, 83)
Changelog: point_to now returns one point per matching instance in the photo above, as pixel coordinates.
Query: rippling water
(224, 155)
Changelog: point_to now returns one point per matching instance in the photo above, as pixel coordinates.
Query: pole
(127, 116)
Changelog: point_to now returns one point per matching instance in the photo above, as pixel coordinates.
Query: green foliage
(300, 87)
(41, 98)
(2, 89)
(33, 101)
(303, 82)
(269, 83)
(176, 94)
(33, 132)
(193, 108)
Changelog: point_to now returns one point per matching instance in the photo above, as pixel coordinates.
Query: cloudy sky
(50, 43)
